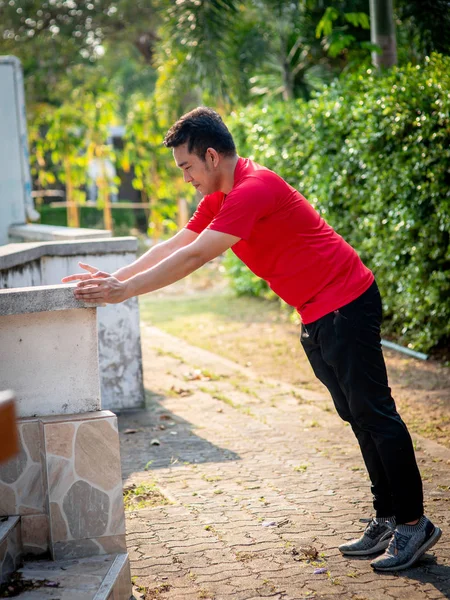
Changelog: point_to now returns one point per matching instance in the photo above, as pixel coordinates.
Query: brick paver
(264, 484)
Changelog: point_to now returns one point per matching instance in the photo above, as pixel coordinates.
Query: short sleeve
(207, 209)
(250, 201)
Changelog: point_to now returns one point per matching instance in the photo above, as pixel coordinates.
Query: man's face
(200, 174)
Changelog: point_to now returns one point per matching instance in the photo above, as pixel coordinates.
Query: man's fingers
(76, 277)
(87, 267)
(89, 292)
(93, 272)
(89, 295)
(91, 283)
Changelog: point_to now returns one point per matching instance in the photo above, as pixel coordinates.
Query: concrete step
(10, 546)
(105, 577)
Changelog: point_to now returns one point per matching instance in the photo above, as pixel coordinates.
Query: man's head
(200, 129)
(204, 149)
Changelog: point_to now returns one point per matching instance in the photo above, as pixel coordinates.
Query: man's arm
(177, 265)
(146, 261)
(156, 254)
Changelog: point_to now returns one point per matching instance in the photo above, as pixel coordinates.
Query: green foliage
(156, 175)
(64, 139)
(372, 154)
(56, 40)
(423, 26)
(227, 53)
(242, 280)
(57, 137)
(124, 219)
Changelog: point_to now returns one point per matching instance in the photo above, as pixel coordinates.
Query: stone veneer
(10, 547)
(66, 485)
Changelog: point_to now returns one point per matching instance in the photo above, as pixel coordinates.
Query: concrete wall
(120, 358)
(48, 351)
(65, 482)
(34, 232)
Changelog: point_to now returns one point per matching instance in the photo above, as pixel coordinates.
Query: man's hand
(94, 273)
(101, 290)
(97, 286)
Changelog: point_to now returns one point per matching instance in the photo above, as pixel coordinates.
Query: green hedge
(372, 154)
(124, 219)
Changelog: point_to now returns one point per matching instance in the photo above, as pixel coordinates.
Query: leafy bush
(124, 219)
(242, 280)
(372, 154)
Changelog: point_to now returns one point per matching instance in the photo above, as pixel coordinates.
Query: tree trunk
(104, 190)
(383, 33)
(72, 210)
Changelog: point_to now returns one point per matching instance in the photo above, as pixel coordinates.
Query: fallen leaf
(155, 442)
(308, 552)
(131, 431)
(181, 391)
(283, 522)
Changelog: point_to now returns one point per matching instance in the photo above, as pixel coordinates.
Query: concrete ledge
(36, 232)
(13, 255)
(49, 351)
(39, 299)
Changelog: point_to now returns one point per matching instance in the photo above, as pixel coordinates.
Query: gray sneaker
(407, 546)
(374, 539)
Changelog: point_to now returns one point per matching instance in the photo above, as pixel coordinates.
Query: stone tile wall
(22, 489)
(66, 485)
(10, 545)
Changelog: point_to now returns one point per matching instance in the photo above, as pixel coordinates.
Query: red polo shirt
(285, 241)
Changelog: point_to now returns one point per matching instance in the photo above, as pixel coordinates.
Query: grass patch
(249, 331)
(300, 468)
(161, 352)
(144, 495)
(211, 478)
(155, 593)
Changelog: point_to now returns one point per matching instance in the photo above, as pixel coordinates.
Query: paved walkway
(265, 485)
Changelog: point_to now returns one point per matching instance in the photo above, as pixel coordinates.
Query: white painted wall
(50, 361)
(119, 342)
(118, 332)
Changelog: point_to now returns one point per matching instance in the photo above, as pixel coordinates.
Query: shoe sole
(426, 546)
(382, 545)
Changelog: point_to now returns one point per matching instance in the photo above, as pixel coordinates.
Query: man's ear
(212, 157)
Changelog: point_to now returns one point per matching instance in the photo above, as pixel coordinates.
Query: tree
(233, 53)
(159, 180)
(53, 38)
(424, 27)
(57, 139)
(383, 33)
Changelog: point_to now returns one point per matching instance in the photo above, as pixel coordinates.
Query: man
(281, 238)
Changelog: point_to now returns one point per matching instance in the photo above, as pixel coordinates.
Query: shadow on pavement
(429, 570)
(156, 438)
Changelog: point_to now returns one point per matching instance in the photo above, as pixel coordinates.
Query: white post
(16, 203)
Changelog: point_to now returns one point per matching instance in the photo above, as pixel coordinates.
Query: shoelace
(397, 543)
(372, 528)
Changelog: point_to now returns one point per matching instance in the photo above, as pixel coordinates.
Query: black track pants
(344, 349)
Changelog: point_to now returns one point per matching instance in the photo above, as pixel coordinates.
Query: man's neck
(229, 167)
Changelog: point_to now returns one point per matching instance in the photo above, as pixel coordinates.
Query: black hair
(201, 128)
